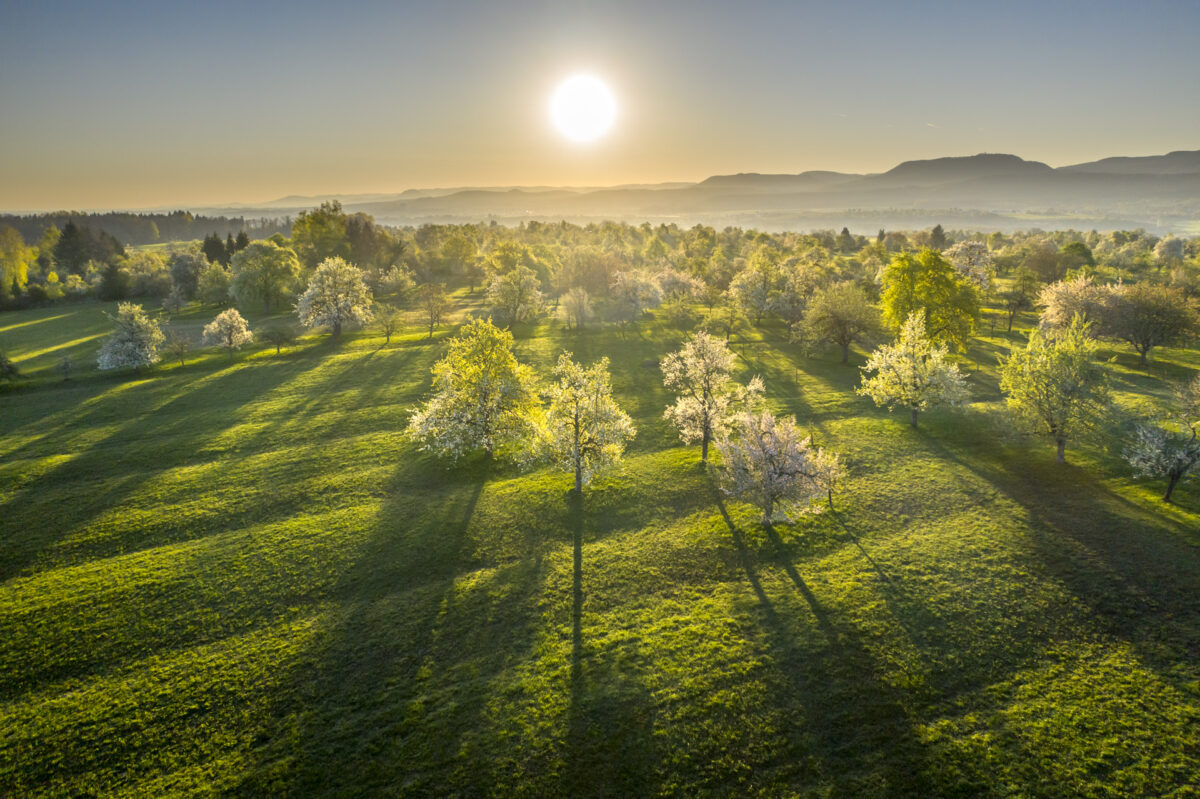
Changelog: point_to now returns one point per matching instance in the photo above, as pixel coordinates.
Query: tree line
(840, 291)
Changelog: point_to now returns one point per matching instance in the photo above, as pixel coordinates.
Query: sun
(583, 108)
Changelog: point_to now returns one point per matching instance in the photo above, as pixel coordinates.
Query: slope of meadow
(238, 577)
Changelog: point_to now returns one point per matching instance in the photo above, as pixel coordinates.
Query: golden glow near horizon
(583, 108)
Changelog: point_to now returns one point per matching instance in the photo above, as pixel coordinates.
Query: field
(237, 577)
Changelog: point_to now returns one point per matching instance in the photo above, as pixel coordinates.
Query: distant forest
(129, 228)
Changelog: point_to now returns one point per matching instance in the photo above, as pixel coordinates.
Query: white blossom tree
(676, 284)
(337, 295)
(483, 397)
(700, 374)
(912, 373)
(769, 463)
(1055, 385)
(1170, 449)
(229, 330)
(583, 430)
(1066, 299)
(973, 261)
(135, 342)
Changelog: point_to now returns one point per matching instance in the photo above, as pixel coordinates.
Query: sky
(182, 104)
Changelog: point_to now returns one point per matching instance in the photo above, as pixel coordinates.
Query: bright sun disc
(583, 108)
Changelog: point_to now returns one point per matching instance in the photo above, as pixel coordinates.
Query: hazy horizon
(140, 105)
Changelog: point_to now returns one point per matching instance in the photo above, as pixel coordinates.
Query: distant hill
(755, 181)
(1000, 190)
(993, 190)
(1173, 163)
(948, 170)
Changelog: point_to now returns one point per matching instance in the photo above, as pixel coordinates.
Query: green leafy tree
(937, 238)
(264, 272)
(459, 252)
(336, 296)
(320, 234)
(212, 287)
(929, 283)
(15, 258)
(483, 398)
(185, 270)
(1055, 385)
(135, 342)
(912, 373)
(1147, 316)
(74, 248)
(214, 250)
(583, 430)
(841, 314)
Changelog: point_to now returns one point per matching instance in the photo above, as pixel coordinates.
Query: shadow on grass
(151, 437)
(394, 699)
(847, 729)
(1138, 573)
(610, 747)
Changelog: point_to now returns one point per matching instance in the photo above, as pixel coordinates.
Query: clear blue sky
(141, 104)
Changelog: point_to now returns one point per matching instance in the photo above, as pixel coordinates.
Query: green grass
(239, 578)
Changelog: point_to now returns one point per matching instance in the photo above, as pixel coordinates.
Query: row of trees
(485, 400)
(336, 296)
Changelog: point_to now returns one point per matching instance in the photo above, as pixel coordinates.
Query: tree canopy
(483, 398)
(336, 296)
(929, 283)
(583, 429)
(1054, 384)
(912, 373)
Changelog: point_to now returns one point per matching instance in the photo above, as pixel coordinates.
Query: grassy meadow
(237, 577)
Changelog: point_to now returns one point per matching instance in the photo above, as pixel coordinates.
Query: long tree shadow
(422, 637)
(66, 498)
(1137, 573)
(847, 729)
(610, 744)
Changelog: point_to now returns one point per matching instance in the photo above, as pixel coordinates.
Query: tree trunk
(578, 479)
(912, 418)
(1010, 320)
(1172, 479)
(337, 329)
(1142, 357)
(431, 331)
(704, 447)
(1061, 457)
(845, 353)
